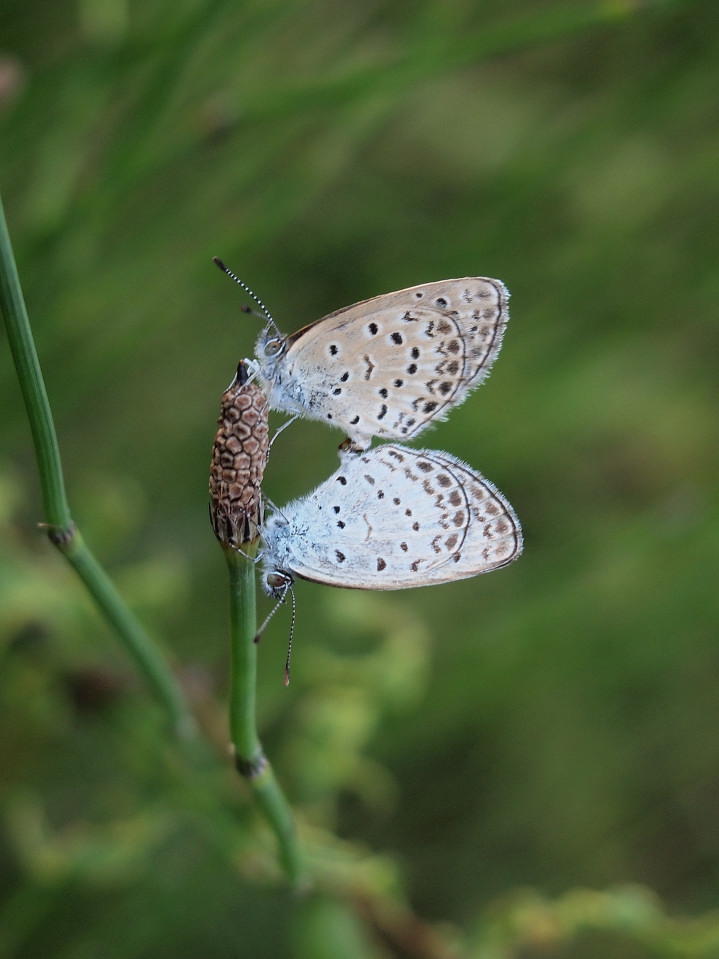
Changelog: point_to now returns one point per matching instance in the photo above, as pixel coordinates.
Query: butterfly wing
(391, 365)
(393, 518)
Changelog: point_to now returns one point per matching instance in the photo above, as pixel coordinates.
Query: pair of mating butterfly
(390, 517)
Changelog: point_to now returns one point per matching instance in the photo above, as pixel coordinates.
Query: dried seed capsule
(238, 462)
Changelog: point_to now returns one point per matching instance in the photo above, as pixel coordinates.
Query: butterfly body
(389, 366)
(392, 518)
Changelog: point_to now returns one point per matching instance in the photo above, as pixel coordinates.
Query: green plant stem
(146, 654)
(249, 757)
(243, 663)
(58, 519)
(27, 365)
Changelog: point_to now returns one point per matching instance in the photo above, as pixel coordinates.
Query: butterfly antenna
(292, 633)
(266, 315)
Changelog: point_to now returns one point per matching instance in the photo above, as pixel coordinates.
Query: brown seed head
(238, 462)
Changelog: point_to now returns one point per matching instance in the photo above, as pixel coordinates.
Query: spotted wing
(391, 365)
(395, 517)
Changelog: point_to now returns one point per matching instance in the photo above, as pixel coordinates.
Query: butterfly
(389, 366)
(391, 518)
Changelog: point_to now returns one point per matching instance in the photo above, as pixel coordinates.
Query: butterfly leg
(279, 430)
(349, 446)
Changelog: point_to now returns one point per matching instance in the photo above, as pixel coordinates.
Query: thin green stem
(146, 654)
(61, 529)
(12, 303)
(243, 662)
(249, 757)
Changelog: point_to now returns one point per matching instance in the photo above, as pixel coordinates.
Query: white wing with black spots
(392, 365)
(393, 518)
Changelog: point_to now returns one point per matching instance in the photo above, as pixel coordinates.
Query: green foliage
(528, 760)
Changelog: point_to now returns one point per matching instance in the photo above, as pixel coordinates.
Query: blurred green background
(485, 753)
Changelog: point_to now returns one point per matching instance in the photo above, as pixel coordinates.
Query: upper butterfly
(389, 366)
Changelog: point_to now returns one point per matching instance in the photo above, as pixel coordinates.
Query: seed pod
(238, 462)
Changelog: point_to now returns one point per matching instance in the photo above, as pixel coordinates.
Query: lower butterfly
(391, 518)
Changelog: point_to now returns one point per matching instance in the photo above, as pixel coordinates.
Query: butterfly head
(277, 583)
(271, 345)
(276, 579)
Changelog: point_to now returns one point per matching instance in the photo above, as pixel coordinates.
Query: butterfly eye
(273, 347)
(277, 580)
